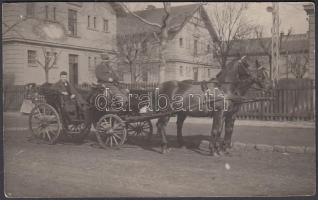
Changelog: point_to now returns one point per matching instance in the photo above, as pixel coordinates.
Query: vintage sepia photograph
(158, 99)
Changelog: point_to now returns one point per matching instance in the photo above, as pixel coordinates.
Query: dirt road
(69, 170)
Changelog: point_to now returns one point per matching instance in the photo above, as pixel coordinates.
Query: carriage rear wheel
(111, 131)
(142, 129)
(45, 123)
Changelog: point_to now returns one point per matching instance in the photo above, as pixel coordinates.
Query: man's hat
(105, 57)
(63, 73)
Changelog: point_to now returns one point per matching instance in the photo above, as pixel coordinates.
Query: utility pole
(275, 41)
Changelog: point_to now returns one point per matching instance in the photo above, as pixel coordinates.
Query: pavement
(285, 136)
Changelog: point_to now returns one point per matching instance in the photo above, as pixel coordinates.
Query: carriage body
(54, 117)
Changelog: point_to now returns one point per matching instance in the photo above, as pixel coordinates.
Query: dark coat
(60, 87)
(104, 72)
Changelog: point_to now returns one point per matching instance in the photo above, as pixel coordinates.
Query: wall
(183, 55)
(26, 36)
(16, 61)
(311, 20)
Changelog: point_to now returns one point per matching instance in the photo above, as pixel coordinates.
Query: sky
(292, 15)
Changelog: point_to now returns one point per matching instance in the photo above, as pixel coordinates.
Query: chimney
(150, 7)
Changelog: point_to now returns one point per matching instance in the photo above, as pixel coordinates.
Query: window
(46, 12)
(88, 21)
(54, 13)
(89, 62)
(195, 48)
(95, 61)
(105, 27)
(95, 22)
(72, 22)
(30, 7)
(209, 73)
(208, 48)
(31, 57)
(181, 71)
(181, 42)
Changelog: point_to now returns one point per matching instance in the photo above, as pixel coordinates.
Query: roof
(179, 15)
(294, 44)
(120, 11)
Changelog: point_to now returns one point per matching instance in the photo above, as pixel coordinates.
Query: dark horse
(233, 81)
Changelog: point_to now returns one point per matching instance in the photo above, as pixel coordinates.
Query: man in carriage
(71, 100)
(109, 79)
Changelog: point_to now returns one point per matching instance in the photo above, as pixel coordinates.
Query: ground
(138, 170)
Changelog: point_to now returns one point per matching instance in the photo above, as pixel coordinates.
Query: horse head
(239, 76)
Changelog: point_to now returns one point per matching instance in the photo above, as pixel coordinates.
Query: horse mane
(221, 76)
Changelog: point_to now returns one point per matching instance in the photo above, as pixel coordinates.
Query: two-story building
(188, 53)
(294, 57)
(76, 33)
(310, 9)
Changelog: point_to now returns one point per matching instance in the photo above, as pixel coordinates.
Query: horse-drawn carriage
(58, 117)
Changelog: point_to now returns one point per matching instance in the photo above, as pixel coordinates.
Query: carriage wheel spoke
(116, 135)
(48, 135)
(115, 140)
(107, 140)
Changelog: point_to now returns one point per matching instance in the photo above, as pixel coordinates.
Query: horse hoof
(214, 154)
(221, 153)
(165, 150)
(227, 153)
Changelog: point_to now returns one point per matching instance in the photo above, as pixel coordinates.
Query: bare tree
(50, 58)
(162, 37)
(230, 25)
(133, 50)
(298, 64)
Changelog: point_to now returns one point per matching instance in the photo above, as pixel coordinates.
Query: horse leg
(216, 127)
(180, 119)
(161, 127)
(229, 125)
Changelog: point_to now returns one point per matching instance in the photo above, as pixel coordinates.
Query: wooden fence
(292, 100)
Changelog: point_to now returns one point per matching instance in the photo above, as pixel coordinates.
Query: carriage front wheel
(111, 131)
(45, 123)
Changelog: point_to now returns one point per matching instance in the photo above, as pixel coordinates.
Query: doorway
(73, 69)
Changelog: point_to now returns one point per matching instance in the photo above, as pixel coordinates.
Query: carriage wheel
(45, 124)
(111, 131)
(142, 129)
(77, 131)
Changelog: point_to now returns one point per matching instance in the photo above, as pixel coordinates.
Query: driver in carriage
(108, 78)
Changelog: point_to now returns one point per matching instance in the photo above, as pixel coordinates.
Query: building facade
(71, 35)
(294, 58)
(310, 9)
(188, 53)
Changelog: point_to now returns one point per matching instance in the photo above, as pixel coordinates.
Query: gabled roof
(120, 11)
(294, 44)
(179, 15)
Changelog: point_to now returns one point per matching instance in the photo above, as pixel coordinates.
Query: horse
(234, 80)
